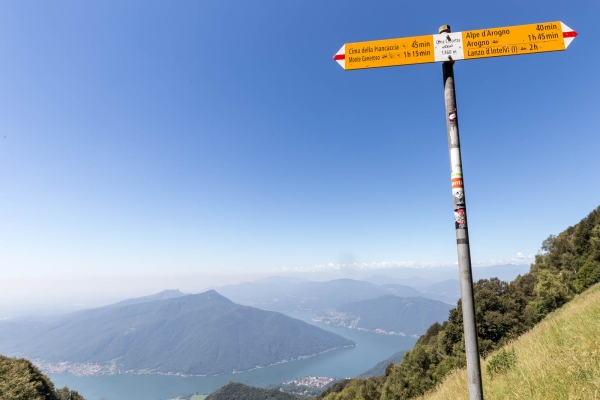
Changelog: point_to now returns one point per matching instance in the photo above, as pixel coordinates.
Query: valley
(370, 349)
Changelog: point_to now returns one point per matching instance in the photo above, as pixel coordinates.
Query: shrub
(501, 362)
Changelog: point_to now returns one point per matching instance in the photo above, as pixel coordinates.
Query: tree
(21, 380)
(550, 290)
(67, 394)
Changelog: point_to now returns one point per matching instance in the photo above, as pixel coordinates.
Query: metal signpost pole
(462, 233)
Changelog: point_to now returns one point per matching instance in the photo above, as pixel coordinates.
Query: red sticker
(452, 117)
(460, 218)
(457, 183)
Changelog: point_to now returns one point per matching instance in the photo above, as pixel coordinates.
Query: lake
(370, 349)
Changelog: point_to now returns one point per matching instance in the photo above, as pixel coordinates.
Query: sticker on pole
(460, 218)
(459, 195)
(452, 118)
(457, 183)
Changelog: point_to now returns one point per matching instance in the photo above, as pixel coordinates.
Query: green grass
(558, 359)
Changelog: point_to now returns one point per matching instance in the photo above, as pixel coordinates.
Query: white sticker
(455, 162)
(447, 46)
(459, 195)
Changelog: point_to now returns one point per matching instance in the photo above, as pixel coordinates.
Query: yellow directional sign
(514, 40)
(482, 43)
(388, 53)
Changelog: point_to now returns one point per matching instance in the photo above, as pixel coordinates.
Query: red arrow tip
(571, 34)
(339, 57)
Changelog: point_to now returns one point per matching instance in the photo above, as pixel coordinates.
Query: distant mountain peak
(213, 295)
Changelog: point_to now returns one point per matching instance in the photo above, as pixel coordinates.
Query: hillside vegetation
(21, 380)
(567, 265)
(557, 359)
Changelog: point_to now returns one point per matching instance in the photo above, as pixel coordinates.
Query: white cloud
(519, 259)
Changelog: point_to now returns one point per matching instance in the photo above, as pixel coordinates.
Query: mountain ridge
(202, 334)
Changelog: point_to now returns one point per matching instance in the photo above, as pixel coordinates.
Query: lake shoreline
(112, 368)
(370, 349)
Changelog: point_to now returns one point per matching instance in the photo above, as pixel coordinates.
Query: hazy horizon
(46, 295)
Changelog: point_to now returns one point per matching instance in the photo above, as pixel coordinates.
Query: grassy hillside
(557, 359)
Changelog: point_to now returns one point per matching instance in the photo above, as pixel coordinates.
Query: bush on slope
(21, 380)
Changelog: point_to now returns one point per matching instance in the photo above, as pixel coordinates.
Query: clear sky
(157, 139)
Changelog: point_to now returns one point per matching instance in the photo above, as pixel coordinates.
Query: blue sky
(154, 138)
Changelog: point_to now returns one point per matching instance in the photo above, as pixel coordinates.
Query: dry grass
(558, 359)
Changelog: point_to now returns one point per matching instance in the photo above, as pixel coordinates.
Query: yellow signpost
(481, 43)
(448, 47)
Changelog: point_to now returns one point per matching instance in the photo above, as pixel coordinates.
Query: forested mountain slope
(203, 334)
(568, 264)
(409, 316)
